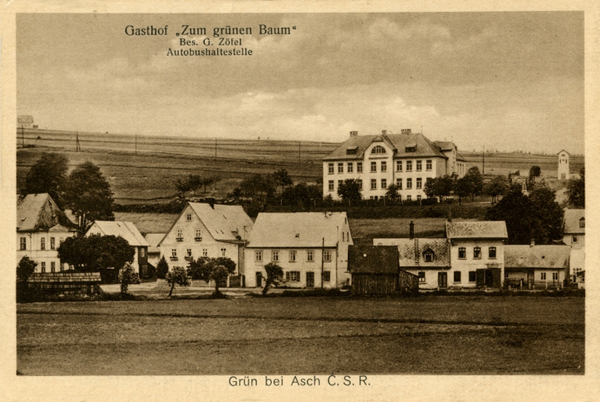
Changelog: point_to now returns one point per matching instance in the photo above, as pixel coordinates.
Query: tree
(439, 186)
(48, 175)
(497, 186)
(88, 194)
(178, 276)
(549, 214)
(183, 186)
(127, 276)
(215, 269)
(576, 190)
(473, 181)
(25, 268)
(260, 187)
(349, 190)
(392, 192)
(462, 188)
(162, 268)
(282, 179)
(274, 276)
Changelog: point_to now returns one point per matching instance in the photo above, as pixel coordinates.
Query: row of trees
(193, 182)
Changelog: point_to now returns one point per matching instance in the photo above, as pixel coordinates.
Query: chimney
(406, 131)
(353, 133)
(411, 230)
(384, 132)
(211, 202)
(532, 243)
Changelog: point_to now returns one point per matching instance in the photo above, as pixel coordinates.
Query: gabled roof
(153, 240)
(398, 142)
(563, 150)
(411, 251)
(571, 219)
(126, 230)
(224, 222)
(39, 212)
(297, 229)
(445, 145)
(373, 260)
(476, 230)
(543, 256)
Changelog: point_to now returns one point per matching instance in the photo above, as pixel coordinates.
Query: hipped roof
(542, 256)
(476, 230)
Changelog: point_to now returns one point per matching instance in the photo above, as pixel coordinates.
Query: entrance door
(259, 279)
(310, 279)
(442, 280)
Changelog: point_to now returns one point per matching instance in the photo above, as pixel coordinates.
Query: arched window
(582, 223)
(428, 255)
(378, 150)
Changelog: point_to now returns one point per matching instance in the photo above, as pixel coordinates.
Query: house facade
(574, 228)
(311, 247)
(129, 232)
(536, 266)
(41, 228)
(207, 230)
(377, 161)
(153, 251)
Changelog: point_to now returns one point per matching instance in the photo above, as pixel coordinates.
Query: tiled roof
(476, 230)
(373, 259)
(542, 256)
(411, 251)
(298, 229)
(39, 212)
(572, 219)
(224, 222)
(153, 240)
(399, 142)
(126, 230)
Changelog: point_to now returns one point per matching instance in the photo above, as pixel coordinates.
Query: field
(143, 169)
(430, 334)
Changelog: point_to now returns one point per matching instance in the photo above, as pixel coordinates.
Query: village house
(207, 230)
(311, 247)
(129, 232)
(536, 266)
(377, 161)
(41, 228)
(574, 236)
(153, 240)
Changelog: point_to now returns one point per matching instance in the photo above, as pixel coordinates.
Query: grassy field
(425, 334)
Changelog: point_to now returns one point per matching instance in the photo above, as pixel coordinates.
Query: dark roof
(411, 251)
(543, 256)
(398, 142)
(71, 277)
(39, 212)
(476, 230)
(572, 218)
(373, 260)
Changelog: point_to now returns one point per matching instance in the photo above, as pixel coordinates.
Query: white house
(536, 266)
(41, 228)
(207, 230)
(129, 232)
(376, 161)
(574, 228)
(311, 247)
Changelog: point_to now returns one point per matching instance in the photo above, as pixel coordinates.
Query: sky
(501, 80)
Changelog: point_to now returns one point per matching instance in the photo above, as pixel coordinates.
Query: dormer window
(411, 149)
(428, 255)
(378, 150)
(351, 150)
(582, 223)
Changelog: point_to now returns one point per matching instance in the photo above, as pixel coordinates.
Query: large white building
(377, 161)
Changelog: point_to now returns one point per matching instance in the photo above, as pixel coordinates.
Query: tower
(563, 165)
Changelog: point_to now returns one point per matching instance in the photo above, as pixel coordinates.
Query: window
(142, 252)
(258, 255)
(179, 235)
(23, 243)
(383, 183)
(330, 168)
(554, 276)
(52, 267)
(419, 166)
(198, 235)
(326, 276)
(492, 252)
(359, 182)
(409, 166)
(409, 183)
(62, 267)
(340, 167)
(350, 167)
(188, 217)
(408, 198)
(373, 167)
(419, 182)
(582, 223)
(43, 266)
(477, 253)
(60, 241)
(457, 276)
(189, 252)
(399, 166)
(52, 243)
(331, 185)
(462, 253)
(43, 243)
(173, 253)
(575, 239)
(472, 276)
(373, 184)
(204, 252)
(310, 255)
(399, 184)
(292, 276)
(223, 252)
(418, 197)
(421, 276)
(543, 276)
(358, 167)
(383, 166)
(378, 150)
(292, 256)
(327, 255)
(428, 164)
(275, 255)
(428, 255)
(340, 182)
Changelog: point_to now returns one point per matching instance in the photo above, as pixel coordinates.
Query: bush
(162, 268)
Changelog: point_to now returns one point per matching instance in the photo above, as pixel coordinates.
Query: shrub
(162, 268)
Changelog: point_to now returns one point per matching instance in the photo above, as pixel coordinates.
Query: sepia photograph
(300, 200)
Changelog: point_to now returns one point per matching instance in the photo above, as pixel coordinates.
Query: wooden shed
(66, 282)
(375, 271)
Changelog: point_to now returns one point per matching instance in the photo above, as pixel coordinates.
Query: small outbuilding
(66, 282)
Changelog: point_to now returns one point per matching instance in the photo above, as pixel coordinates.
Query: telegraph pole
(77, 146)
(299, 153)
(215, 149)
(483, 161)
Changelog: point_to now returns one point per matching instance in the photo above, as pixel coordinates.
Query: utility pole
(136, 144)
(298, 153)
(77, 146)
(483, 161)
(215, 149)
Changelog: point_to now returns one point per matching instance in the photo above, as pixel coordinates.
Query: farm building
(66, 282)
(574, 232)
(129, 232)
(311, 247)
(376, 161)
(375, 271)
(41, 228)
(536, 267)
(207, 230)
